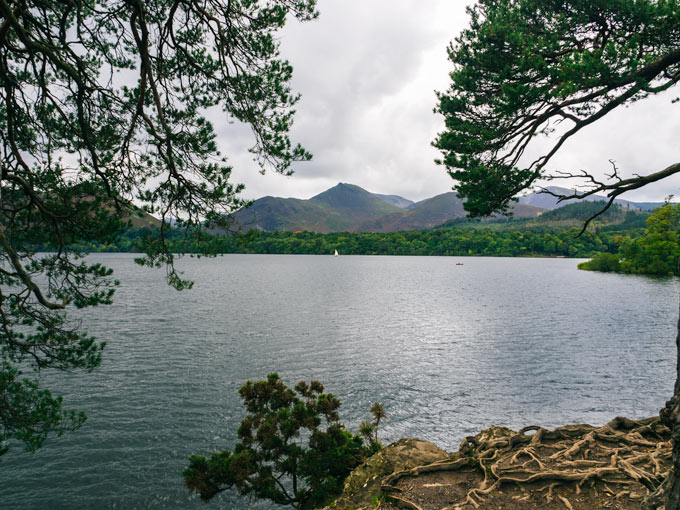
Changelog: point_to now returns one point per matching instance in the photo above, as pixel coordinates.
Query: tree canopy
(656, 252)
(104, 110)
(532, 67)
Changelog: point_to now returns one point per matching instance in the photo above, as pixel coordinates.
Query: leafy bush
(656, 252)
(272, 461)
(605, 262)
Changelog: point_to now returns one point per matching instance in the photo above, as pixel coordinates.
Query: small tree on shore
(272, 461)
(369, 429)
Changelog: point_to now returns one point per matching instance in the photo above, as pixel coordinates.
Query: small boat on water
(336, 253)
(459, 263)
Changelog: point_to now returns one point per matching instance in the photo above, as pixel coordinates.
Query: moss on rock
(362, 486)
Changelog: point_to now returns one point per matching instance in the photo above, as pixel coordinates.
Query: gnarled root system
(620, 463)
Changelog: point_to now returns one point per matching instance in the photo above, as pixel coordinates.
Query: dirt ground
(450, 491)
(577, 467)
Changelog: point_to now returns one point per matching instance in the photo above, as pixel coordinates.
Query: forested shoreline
(636, 243)
(656, 252)
(493, 240)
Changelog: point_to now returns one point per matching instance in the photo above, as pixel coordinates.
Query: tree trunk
(670, 415)
(673, 502)
(667, 495)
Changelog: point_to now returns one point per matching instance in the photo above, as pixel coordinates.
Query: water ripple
(448, 349)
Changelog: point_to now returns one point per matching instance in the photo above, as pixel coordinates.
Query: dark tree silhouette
(102, 110)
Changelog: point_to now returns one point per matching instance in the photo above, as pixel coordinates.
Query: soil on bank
(576, 467)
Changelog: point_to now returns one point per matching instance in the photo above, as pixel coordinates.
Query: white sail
(336, 253)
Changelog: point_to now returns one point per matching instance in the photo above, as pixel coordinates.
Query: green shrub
(606, 262)
(272, 460)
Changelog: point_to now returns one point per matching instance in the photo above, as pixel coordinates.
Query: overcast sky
(367, 71)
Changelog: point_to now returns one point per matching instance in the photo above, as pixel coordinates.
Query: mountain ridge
(348, 207)
(550, 202)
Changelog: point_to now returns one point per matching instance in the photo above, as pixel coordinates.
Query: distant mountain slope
(649, 206)
(289, 214)
(427, 213)
(526, 210)
(341, 208)
(618, 216)
(432, 212)
(581, 211)
(353, 202)
(547, 201)
(347, 207)
(401, 202)
(140, 219)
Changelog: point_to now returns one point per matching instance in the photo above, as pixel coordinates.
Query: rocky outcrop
(575, 467)
(362, 486)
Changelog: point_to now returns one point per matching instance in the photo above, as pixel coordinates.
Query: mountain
(400, 202)
(648, 206)
(347, 207)
(435, 211)
(578, 212)
(291, 214)
(354, 203)
(341, 208)
(427, 213)
(287, 214)
(548, 201)
(140, 219)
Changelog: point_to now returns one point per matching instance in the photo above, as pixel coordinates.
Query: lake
(449, 349)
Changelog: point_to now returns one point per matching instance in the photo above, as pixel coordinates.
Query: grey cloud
(367, 71)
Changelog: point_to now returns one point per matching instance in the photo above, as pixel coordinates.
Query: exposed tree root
(625, 459)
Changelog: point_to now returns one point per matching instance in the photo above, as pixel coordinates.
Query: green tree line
(493, 240)
(656, 252)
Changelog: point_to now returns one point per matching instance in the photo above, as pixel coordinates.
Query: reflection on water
(449, 350)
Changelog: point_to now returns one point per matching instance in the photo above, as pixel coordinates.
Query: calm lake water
(448, 349)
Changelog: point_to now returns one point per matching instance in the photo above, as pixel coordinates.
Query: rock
(492, 435)
(362, 486)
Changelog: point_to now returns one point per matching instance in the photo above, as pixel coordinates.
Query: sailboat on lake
(336, 253)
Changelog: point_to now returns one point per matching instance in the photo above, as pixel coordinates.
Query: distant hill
(140, 219)
(401, 202)
(350, 208)
(354, 203)
(274, 214)
(433, 212)
(581, 211)
(649, 206)
(341, 208)
(347, 207)
(427, 213)
(548, 201)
